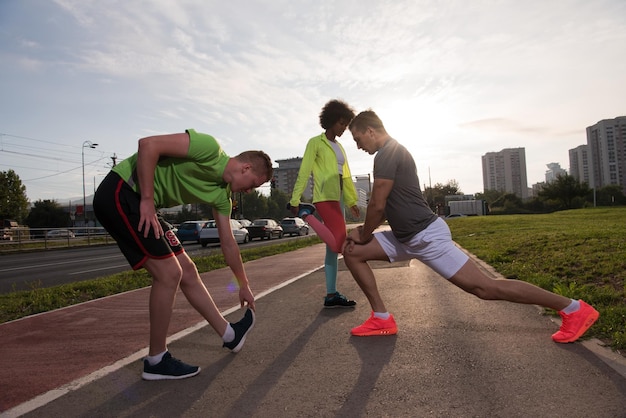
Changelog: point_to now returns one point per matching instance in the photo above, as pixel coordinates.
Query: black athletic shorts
(116, 206)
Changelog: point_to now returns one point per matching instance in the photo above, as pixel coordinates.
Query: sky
(451, 80)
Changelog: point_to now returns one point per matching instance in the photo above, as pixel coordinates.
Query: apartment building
(505, 171)
(554, 171)
(606, 141)
(285, 176)
(579, 163)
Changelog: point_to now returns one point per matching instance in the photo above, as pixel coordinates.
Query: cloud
(459, 79)
(504, 125)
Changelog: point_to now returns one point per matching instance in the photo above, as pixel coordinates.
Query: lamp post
(86, 144)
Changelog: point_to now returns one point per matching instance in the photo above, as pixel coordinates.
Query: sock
(574, 306)
(154, 360)
(381, 315)
(229, 334)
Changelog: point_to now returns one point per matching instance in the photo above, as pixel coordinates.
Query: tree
(253, 205)
(277, 204)
(13, 200)
(436, 195)
(47, 214)
(493, 197)
(610, 195)
(565, 190)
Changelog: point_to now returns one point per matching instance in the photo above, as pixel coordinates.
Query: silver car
(294, 226)
(60, 233)
(209, 235)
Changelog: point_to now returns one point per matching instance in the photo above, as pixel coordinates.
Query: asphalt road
(454, 356)
(41, 269)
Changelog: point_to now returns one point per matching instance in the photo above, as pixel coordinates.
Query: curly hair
(334, 111)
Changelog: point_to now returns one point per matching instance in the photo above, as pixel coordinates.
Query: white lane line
(99, 269)
(60, 263)
(54, 394)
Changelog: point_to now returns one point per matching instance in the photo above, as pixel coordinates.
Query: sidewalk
(454, 356)
(55, 348)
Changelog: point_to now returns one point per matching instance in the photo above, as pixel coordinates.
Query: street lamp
(86, 144)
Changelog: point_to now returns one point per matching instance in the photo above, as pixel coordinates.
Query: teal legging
(330, 268)
(333, 232)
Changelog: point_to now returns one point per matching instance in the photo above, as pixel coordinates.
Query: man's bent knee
(164, 272)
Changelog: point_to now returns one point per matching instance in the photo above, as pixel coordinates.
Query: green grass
(579, 254)
(16, 305)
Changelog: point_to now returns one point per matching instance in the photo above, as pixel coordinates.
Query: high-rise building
(554, 171)
(505, 171)
(363, 186)
(286, 175)
(606, 141)
(579, 163)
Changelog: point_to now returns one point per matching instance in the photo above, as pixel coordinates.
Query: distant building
(579, 163)
(286, 174)
(363, 187)
(505, 171)
(554, 171)
(606, 141)
(536, 188)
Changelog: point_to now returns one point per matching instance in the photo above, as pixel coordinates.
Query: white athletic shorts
(432, 246)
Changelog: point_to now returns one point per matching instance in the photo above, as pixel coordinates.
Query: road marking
(56, 264)
(103, 268)
(53, 394)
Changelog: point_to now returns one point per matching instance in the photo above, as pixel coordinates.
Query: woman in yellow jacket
(325, 158)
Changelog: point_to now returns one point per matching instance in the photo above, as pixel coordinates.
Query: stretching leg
(471, 279)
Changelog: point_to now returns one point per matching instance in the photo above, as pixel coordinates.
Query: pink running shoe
(575, 324)
(376, 326)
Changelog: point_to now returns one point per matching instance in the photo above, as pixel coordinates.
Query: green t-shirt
(196, 178)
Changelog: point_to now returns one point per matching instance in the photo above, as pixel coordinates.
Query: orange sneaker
(575, 324)
(376, 326)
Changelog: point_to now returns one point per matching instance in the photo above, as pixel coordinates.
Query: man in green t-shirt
(170, 170)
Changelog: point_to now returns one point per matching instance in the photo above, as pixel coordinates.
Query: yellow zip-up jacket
(320, 159)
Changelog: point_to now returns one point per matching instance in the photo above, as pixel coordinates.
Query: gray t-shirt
(407, 211)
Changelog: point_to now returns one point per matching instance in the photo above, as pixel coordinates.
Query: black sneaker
(338, 301)
(168, 368)
(242, 328)
(304, 209)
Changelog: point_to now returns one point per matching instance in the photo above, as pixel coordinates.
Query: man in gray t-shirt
(417, 233)
(406, 210)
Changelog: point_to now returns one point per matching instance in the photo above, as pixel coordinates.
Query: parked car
(265, 228)
(294, 226)
(244, 222)
(60, 233)
(190, 231)
(9, 227)
(456, 215)
(209, 234)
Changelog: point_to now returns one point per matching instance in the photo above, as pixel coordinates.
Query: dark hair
(366, 119)
(261, 162)
(334, 111)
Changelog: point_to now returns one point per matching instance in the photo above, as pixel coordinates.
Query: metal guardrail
(24, 238)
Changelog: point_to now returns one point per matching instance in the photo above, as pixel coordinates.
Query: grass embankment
(24, 303)
(580, 254)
